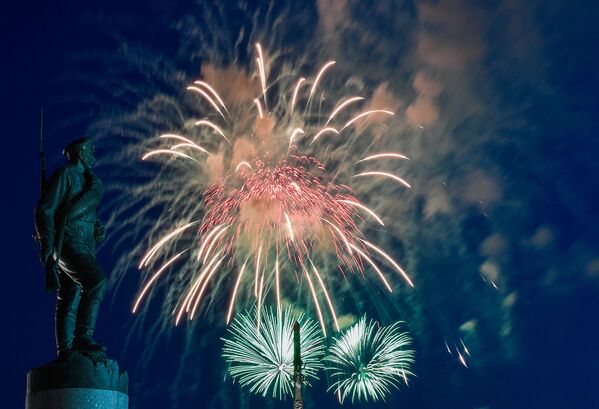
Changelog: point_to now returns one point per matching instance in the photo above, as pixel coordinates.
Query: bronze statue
(68, 230)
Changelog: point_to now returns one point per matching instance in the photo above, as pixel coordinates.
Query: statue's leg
(66, 307)
(91, 278)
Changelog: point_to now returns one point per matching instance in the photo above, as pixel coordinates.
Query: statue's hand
(51, 269)
(45, 256)
(50, 265)
(99, 231)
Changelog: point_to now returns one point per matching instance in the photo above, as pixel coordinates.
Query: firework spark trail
(289, 227)
(384, 155)
(166, 152)
(326, 295)
(378, 271)
(243, 163)
(341, 106)
(366, 209)
(260, 302)
(364, 114)
(232, 302)
(146, 259)
(185, 306)
(204, 122)
(318, 76)
(204, 285)
(296, 131)
(210, 100)
(213, 243)
(391, 261)
(259, 107)
(257, 272)
(387, 175)
(322, 131)
(216, 230)
(316, 304)
(342, 235)
(260, 60)
(296, 91)
(186, 141)
(277, 281)
(154, 278)
(187, 145)
(267, 202)
(213, 92)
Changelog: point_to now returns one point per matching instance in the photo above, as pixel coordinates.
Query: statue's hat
(76, 144)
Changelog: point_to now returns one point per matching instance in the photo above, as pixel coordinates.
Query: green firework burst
(368, 360)
(261, 357)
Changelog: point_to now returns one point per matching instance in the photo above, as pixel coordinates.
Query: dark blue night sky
(497, 106)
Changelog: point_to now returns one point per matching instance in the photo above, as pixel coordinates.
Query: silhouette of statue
(68, 230)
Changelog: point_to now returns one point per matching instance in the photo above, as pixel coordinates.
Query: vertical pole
(298, 379)
(42, 156)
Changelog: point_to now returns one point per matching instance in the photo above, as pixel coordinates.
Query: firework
(261, 358)
(274, 208)
(368, 360)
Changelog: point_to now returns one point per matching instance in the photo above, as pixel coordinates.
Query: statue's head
(81, 150)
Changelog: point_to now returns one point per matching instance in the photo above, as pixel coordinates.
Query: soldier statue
(68, 230)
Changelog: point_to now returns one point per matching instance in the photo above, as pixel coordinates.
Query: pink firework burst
(284, 205)
(272, 209)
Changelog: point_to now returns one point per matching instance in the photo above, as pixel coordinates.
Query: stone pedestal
(83, 380)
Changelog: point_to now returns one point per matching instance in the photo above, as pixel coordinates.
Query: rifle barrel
(42, 155)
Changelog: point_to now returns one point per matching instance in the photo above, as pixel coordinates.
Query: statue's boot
(65, 316)
(87, 315)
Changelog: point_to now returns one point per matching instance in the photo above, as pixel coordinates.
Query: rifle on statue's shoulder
(51, 275)
(43, 167)
(42, 155)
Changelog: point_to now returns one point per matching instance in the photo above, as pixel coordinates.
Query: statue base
(82, 380)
